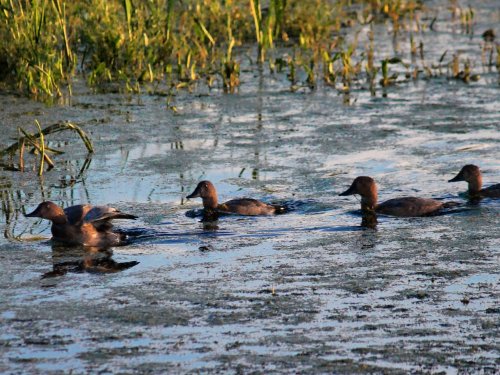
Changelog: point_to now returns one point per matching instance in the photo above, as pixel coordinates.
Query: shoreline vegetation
(158, 44)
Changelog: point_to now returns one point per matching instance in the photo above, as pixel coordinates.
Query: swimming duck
(404, 207)
(242, 206)
(82, 224)
(471, 174)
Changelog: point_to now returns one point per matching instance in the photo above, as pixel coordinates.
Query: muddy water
(308, 291)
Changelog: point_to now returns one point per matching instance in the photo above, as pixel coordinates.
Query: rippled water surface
(307, 291)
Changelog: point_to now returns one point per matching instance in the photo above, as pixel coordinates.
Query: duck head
(206, 191)
(472, 175)
(365, 187)
(50, 211)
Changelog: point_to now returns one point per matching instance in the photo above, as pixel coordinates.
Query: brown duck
(242, 206)
(403, 207)
(82, 224)
(472, 175)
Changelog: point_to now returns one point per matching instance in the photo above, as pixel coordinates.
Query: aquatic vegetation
(386, 78)
(465, 74)
(37, 143)
(45, 43)
(230, 69)
(464, 15)
(36, 51)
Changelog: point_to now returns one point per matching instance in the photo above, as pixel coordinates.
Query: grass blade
(42, 147)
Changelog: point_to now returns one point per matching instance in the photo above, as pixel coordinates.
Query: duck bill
(35, 213)
(194, 194)
(458, 177)
(350, 191)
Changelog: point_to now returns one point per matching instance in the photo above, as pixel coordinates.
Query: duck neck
(60, 219)
(210, 202)
(475, 185)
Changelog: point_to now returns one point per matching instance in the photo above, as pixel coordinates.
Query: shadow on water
(209, 229)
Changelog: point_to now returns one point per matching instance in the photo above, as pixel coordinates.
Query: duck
(83, 224)
(241, 206)
(471, 174)
(403, 207)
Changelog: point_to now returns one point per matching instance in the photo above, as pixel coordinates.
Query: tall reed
(133, 42)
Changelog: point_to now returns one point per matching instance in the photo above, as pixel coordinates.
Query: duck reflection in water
(80, 259)
(210, 220)
(369, 221)
(367, 238)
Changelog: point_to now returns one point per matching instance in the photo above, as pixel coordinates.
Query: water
(308, 291)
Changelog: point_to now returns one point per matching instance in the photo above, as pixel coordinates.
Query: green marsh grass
(35, 48)
(132, 43)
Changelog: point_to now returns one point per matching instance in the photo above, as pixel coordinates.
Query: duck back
(492, 191)
(409, 206)
(246, 206)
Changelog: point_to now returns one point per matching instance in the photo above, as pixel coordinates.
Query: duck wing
(76, 214)
(409, 207)
(105, 213)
